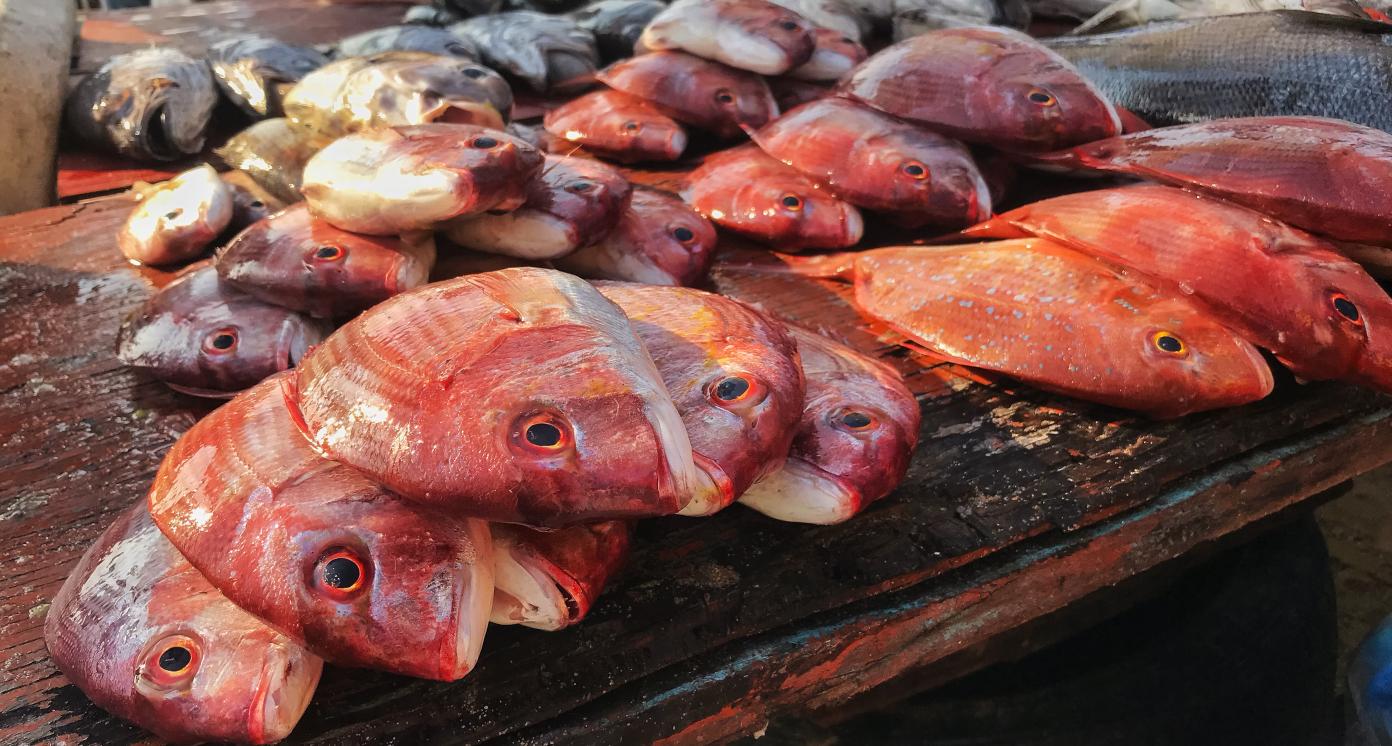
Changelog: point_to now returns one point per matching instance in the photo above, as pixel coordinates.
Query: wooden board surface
(716, 621)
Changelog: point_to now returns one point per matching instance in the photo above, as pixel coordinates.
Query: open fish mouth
(525, 595)
(287, 684)
(467, 112)
(156, 136)
(803, 493)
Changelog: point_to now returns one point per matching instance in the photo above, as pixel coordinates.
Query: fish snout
(803, 493)
(286, 685)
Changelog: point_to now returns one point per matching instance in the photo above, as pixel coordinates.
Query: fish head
(740, 100)
(177, 220)
(487, 168)
(921, 174)
(1358, 314)
(678, 239)
(583, 197)
(1049, 106)
(771, 37)
(835, 55)
(749, 192)
(436, 88)
(615, 122)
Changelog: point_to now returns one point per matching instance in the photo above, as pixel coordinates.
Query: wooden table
(1018, 505)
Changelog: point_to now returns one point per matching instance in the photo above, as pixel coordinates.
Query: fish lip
(157, 138)
(270, 718)
(854, 224)
(470, 626)
(676, 143)
(715, 496)
(481, 113)
(850, 501)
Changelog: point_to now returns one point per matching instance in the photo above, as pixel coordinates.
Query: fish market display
(300, 262)
(695, 91)
(734, 376)
(617, 24)
(398, 88)
(750, 193)
(551, 54)
(572, 203)
(392, 181)
(153, 104)
(988, 85)
(255, 70)
(875, 161)
(833, 56)
(753, 35)
(406, 39)
(853, 444)
(177, 219)
(203, 337)
(659, 240)
(1279, 63)
(617, 127)
(550, 579)
(149, 639)
(273, 152)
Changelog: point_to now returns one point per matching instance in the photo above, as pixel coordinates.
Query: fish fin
(1130, 122)
(1104, 15)
(822, 266)
(996, 227)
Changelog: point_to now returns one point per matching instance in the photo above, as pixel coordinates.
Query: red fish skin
(246, 498)
(694, 91)
(835, 55)
(579, 560)
(433, 393)
(298, 261)
(658, 241)
(753, 35)
(985, 84)
(751, 193)
(700, 340)
(1323, 175)
(875, 161)
(617, 127)
(1061, 321)
(1274, 284)
(130, 598)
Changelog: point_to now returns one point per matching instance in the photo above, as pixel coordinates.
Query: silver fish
(273, 153)
(406, 39)
(254, 71)
(916, 17)
(153, 104)
(551, 54)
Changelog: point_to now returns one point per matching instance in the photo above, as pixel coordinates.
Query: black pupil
(580, 186)
(473, 72)
(257, 203)
(1040, 97)
(731, 389)
(789, 25)
(856, 419)
(543, 434)
(341, 572)
(631, 126)
(683, 234)
(791, 201)
(224, 341)
(485, 142)
(1168, 343)
(327, 252)
(172, 214)
(913, 169)
(176, 658)
(1346, 308)
(724, 98)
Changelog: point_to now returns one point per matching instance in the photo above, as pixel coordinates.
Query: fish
(553, 55)
(748, 192)
(1277, 63)
(430, 15)
(401, 179)
(149, 640)
(659, 240)
(297, 261)
(916, 17)
(519, 396)
(176, 220)
(833, 15)
(254, 71)
(1279, 287)
(791, 92)
(273, 152)
(572, 203)
(694, 91)
(734, 375)
(617, 24)
(204, 338)
(875, 161)
(1370, 684)
(152, 104)
(853, 444)
(753, 35)
(406, 38)
(249, 206)
(835, 55)
(1126, 13)
(549, 580)
(617, 127)
(331, 559)
(396, 89)
(1322, 175)
(469, 8)
(1055, 319)
(988, 85)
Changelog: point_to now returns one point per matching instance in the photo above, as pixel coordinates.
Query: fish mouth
(715, 491)
(675, 145)
(853, 225)
(158, 140)
(525, 234)
(803, 493)
(295, 341)
(287, 684)
(408, 275)
(467, 112)
(524, 594)
(473, 602)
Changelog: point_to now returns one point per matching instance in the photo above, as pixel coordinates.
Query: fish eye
(1042, 97)
(788, 25)
(257, 203)
(735, 389)
(578, 187)
(1169, 343)
(329, 253)
(915, 169)
(792, 202)
(172, 214)
(724, 96)
(484, 142)
(175, 659)
(542, 433)
(221, 341)
(1346, 308)
(631, 126)
(340, 573)
(459, 49)
(683, 234)
(172, 661)
(473, 72)
(857, 420)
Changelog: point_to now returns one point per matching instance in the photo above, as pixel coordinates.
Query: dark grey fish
(1278, 63)
(273, 153)
(469, 8)
(255, 70)
(915, 17)
(617, 24)
(552, 54)
(153, 104)
(429, 15)
(407, 39)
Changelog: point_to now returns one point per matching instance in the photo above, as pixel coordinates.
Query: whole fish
(1279, 63)
(834, 55)
(617, 24)
(402, 179)
(1370, 684)
(750, 193)
(254, 71)
(617, 127)
(875, 161)
(153, 104)
(204, 338)
(916, 17)
(550, 579)
(339, 564)
(753, 35)
(694, 91)
(988, 85)
(177, 219)
(551, 54)
(1322, 175)
(573, 202)
(148, 639)
(1058, 320)
(853, 444)
(396, 89)
(1280, 288)
(273, 152)
(734, 375)
(658, 241)
(1124, 13)
(520, 396)
(835, 15)
(406, 39)
(298, 261)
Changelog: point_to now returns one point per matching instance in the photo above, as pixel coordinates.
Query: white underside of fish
(801, 493)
